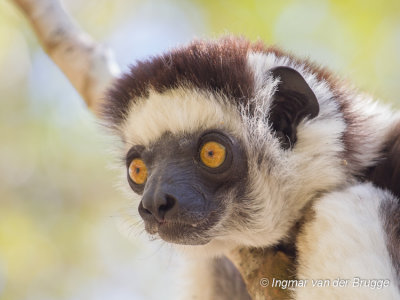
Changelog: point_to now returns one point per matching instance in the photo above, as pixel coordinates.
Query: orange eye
(138, 171)
(212, 154)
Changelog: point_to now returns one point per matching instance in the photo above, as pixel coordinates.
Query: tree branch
(89, 66)
(259, 267)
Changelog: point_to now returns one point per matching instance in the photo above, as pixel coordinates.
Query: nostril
(143, 209)
(157, 207)
(168, 205)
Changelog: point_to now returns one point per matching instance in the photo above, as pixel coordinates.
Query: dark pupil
(137, 170)
(210, 153)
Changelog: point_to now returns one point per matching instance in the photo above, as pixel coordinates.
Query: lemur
(230, 142)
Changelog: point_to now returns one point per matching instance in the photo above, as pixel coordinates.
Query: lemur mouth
(180, 233)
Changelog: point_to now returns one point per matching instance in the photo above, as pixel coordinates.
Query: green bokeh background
(60, 212)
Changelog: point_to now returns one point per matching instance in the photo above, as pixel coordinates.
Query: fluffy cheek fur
(282, 183)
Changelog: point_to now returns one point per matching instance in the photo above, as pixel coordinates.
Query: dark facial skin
(182, 198)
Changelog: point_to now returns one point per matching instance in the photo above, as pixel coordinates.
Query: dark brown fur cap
(218, 66)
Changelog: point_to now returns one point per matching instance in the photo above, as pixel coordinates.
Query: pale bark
(88, 65)
(260, 267)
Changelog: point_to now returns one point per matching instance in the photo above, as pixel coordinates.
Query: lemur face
(185, 180)
(185, 157)
(224, 142)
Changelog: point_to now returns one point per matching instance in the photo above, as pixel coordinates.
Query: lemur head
(225, 141)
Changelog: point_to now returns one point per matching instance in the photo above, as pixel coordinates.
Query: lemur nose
(160, 206)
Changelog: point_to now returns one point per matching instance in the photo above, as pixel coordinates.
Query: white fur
(177, 111)
(346, 240)
(371, 114)
(292, 178)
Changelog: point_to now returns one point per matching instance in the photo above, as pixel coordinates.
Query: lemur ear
(292, 102)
